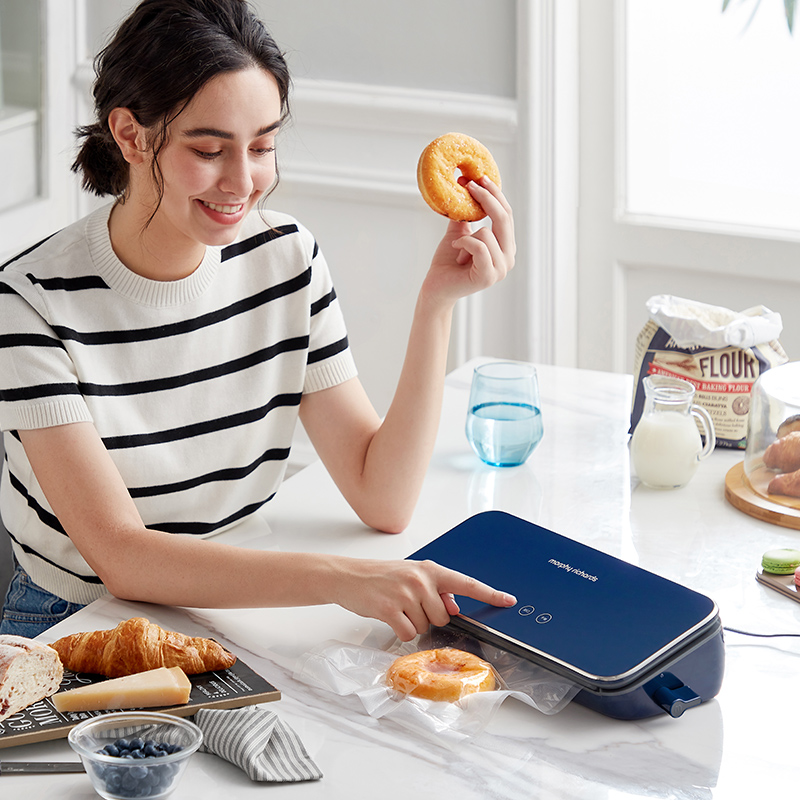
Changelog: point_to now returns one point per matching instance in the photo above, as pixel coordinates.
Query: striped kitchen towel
(256, 740)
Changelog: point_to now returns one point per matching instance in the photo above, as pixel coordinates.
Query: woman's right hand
(409, 596)
(470, 259)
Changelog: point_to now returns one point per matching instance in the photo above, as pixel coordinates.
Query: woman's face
(219, 159)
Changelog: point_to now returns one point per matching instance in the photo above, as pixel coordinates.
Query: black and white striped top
(193, 385)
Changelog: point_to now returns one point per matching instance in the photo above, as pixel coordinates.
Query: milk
(665, 449)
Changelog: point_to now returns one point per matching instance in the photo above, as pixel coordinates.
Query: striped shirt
(193, 385)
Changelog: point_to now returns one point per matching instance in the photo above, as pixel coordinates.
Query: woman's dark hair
(159, 58)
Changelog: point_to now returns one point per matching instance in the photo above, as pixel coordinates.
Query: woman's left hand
(468, 261)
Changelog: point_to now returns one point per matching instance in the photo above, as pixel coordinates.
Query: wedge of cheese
(156, 687)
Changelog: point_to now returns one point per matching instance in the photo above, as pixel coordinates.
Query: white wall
(453, 45)
(450, 45)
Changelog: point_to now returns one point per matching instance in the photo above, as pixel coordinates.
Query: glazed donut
(437, 179)
(446, 674)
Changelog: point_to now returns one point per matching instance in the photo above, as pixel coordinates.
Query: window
(20, 101)
(711, 113)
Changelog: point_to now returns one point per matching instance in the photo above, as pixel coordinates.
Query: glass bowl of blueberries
(135, 753)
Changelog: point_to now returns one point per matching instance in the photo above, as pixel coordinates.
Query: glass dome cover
(772, 456)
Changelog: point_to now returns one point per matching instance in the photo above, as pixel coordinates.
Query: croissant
(784, 453)
(136, 645)
(787, 484)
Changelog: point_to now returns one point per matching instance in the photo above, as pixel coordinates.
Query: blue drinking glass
(504, 421)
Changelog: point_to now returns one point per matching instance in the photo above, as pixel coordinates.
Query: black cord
(760, 635)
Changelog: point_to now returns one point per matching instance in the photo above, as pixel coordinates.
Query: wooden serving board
(741, 494)
(228, 688)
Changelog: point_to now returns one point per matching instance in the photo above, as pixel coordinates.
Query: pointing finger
(457, 583)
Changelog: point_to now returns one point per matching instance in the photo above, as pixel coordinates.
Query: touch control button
(542, 618)
(526, 611)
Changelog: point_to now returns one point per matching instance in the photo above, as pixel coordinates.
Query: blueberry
(129, 781)
(111, 750)
(113, 781)
(123, 744)
(138, 754)
(164, 779)
(153, 779)
(137, 744)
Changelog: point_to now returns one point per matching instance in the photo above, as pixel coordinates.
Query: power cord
(760, 635)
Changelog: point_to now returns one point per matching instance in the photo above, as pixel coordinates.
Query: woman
(156, 355)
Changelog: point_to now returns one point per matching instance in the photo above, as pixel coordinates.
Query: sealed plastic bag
(720, 352)
(346, 669)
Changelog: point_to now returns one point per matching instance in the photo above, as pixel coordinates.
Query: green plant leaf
(788, 6)
(786, 3)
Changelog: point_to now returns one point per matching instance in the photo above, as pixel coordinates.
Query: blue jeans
(28, 609)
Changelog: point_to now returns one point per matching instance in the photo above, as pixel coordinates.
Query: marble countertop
(578, 483)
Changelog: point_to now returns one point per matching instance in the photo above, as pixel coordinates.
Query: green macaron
(782, 561)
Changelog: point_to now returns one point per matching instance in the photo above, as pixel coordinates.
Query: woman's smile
(223, 209)
(224, 214)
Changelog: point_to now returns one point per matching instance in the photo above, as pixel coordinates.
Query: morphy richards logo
(573, 570)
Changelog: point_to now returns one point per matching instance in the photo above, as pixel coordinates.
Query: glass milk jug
(666, 446)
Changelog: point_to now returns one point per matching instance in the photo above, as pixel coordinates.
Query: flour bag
(719, 351)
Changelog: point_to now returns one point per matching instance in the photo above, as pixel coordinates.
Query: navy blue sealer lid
(601, 622)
